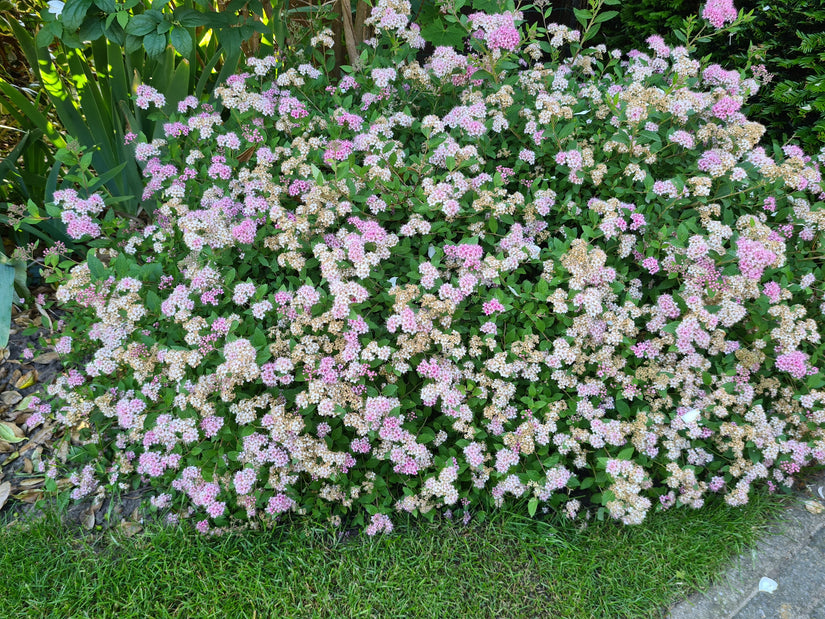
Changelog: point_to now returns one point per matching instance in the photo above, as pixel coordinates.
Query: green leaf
(7, 434)
(626, 453)
(582, 16)
(133, 43)
(140, 25)
(154, 44)
(6, 298)
(190, 18)
(426, 435)
(532, 505)
(152, 301)
(606, 16)
(440, 34)
(182, 41)
(96, 267)
(74, 12)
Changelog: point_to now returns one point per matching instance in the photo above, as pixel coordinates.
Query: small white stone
(768, 585)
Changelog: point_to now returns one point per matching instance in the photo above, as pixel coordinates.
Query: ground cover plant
(519, 269)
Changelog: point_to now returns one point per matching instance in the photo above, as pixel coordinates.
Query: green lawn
(509, 567)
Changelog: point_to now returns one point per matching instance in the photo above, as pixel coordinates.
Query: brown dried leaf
(46, 357)
(33, 482)
(815, 507)
(63, 451)
(29, 496)
(10, 398)
(22, 320)
(130, 528)
(5, 490)
(26, 380)
(5, 353)
(88, 521)
(28, 467)
(5, 448)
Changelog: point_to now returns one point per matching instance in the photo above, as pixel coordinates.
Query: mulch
(22, 478)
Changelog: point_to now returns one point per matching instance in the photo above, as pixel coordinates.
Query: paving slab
(792, 554)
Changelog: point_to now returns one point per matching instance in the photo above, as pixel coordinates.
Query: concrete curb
(792, 554)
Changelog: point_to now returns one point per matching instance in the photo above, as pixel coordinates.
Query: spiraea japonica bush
(443, 286)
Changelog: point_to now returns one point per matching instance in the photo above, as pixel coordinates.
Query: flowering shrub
(441, 285)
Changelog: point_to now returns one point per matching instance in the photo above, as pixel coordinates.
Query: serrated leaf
(74, 12)
(426, 435)
(190, 18)
(440, 34)
(140, 25)
(154, 44)
(626, 453)
(181, 41)
(96, 267)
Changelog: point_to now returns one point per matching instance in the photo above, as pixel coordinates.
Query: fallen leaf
(26, 381)
(5, 448)
(46, 357)
(88, 522)
(130, 528)
(5, 490)
(97, 503)
(10, 398)
(28, 467)
(63, 451)
(30, 483)
(10, 433)
(5, 353)
(29, 496)
(815, 507)
(43, 435)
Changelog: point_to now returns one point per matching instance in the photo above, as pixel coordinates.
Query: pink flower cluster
(719, 12)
